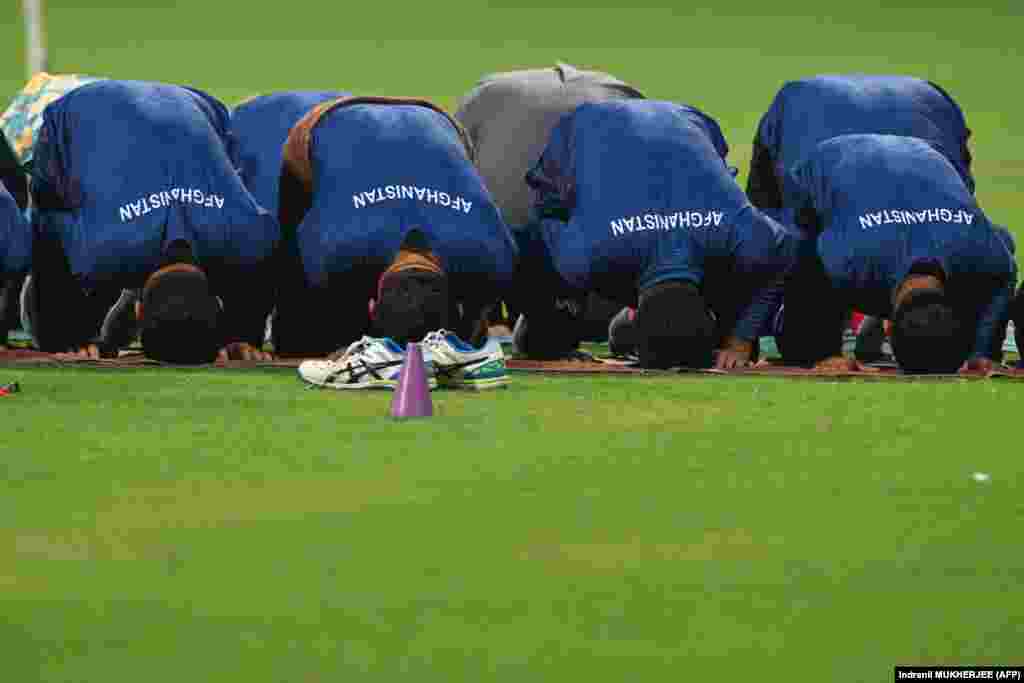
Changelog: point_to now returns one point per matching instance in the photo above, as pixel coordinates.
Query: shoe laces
(353, 348)
(436, 337)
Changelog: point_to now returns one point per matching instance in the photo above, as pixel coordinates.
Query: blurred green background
(728, 59)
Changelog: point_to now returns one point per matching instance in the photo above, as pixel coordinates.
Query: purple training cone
(412, 395)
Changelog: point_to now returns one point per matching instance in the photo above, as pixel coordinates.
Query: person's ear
(138, 311)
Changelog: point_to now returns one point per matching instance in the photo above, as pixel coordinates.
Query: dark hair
(926, 334)
(674, 326)
(178, 251)
(411, 304)
(180, 318)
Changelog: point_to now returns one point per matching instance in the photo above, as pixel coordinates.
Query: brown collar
(414, 259)
(171, 268)
(913, 282)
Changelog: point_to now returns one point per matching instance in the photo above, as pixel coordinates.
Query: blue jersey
(123, 168)
(15, 237)
(259, 128)
(807, 112)
(380, 170)
(886, 204)
(636, 192)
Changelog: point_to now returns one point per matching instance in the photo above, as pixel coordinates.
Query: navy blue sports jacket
(636, 192)
(124, 168)
(15, 236)
(259, 128)
(373, 170)
(882, 205)
(807, 112)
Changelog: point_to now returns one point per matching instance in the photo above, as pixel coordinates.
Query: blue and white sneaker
(459, 365)
(370, 363)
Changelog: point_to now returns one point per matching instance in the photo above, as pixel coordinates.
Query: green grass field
(200, 526)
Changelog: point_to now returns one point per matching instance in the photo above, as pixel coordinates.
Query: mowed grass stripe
(565, 526)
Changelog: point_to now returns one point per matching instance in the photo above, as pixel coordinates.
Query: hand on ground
(735, 354)
(90, 352)
(729, 360)
(243, 351)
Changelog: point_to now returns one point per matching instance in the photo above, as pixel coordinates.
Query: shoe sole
(493, 378)
(385, 384)
(482, 384)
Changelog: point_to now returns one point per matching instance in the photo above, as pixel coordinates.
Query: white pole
(35, 37)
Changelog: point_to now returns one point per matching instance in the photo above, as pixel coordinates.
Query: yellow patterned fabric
(21, 121)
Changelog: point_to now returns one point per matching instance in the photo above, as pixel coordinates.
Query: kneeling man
(635, 201)
(896, 233)
(393, 230)
(510, 116)
(133, 189)
(807, 112)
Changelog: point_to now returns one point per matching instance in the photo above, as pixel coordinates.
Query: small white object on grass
(980, 477)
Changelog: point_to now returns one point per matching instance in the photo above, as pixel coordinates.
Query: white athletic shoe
(370, 363)
(459, 365)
